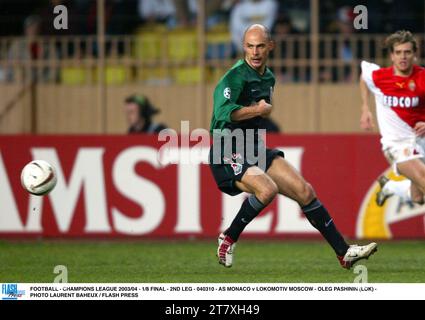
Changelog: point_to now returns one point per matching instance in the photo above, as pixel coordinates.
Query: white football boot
(356, 253)
(225, 249)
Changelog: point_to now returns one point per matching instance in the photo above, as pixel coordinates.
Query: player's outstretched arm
(366, 118)
(262, 109)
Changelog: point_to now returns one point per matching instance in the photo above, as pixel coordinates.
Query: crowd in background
(283, 17)
(124, 16)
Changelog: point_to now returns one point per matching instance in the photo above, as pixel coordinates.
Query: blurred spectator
(157, 11)
(120, 16)
(173, 13)
(248, 12)
(401, 15)
(13, 13)
(120, 19)
(344, 49)
(282, 28)
(123, 17)
(298, 12)
(30, 48)
(216, 12)
(186, 12)
(219, 43)
(345, 23)
(292, 20)
(139, 112)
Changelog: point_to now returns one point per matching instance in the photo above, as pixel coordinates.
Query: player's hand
(264, 108)
(366, 121)
(420, 129)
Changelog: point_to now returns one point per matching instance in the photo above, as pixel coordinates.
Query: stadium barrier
(70, 90)
(73, 109)
(127, 187)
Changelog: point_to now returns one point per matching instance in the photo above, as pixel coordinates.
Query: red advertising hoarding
(121, 187)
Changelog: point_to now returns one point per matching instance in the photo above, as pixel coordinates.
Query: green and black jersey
(230, 157)
(241, 86)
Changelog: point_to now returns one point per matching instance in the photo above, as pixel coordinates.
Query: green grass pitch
(194, 261)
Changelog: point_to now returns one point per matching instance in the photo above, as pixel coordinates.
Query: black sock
(319, 217)
(250, 208)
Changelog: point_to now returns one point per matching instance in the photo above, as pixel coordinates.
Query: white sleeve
(145, 8)
(367, 69)
(237, 26)
(270, 18)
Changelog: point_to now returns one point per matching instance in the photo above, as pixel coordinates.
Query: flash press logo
(10, 291)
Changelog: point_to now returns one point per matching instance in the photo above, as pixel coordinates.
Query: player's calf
(250, 208)
(319, 218)
(416, 195)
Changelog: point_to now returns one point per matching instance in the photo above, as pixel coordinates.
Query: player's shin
(319, 217)
(250, 208)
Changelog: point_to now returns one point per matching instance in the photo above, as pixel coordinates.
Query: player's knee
(306, 194)
(421, 177)
(267, 193)
(420, 182)
(418, 198)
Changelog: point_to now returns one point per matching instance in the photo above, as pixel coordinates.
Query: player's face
(403, 57)
(257, 48)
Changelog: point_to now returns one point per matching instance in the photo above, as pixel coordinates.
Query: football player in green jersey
(241, 98)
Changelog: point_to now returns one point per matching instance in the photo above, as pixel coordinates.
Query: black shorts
(232, 170)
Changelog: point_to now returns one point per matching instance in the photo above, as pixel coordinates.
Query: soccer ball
(38, 177)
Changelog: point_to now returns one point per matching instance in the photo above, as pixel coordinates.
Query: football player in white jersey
(399, 93)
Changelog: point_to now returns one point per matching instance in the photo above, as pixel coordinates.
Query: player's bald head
(257, 45)
(257, 29)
